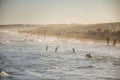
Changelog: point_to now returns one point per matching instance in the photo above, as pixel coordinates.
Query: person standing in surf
(73, 50)
(114, 42)
(108, 40)
(56, 49)
(46, 48)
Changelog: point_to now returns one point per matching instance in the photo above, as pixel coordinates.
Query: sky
(59, 11)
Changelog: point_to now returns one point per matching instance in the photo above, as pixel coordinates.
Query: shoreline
(95, 33)
(65, 37)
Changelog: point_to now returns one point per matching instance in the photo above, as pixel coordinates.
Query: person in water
(56, 49)
(108, 40)
(3, 74)
(114, 42)
(88, 55)
(46, 48)
(73, 50)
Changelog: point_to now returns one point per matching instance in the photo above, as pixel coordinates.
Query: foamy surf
(27, 58)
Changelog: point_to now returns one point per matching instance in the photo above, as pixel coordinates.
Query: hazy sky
(59, 11)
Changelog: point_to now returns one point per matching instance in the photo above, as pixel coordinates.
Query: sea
(24, 57)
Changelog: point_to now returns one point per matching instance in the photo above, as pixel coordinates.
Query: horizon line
(61, 23)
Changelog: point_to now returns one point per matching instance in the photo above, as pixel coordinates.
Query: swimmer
(46, 48)
(56, 49)
(73, 50)
(89, 55)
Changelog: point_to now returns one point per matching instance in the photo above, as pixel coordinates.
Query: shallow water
(25, 58)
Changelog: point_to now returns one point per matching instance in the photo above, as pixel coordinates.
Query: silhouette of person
(108, 40)
(73, 50)
(56, 49)
(46, 48)
(114, 42)
(88, 55)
